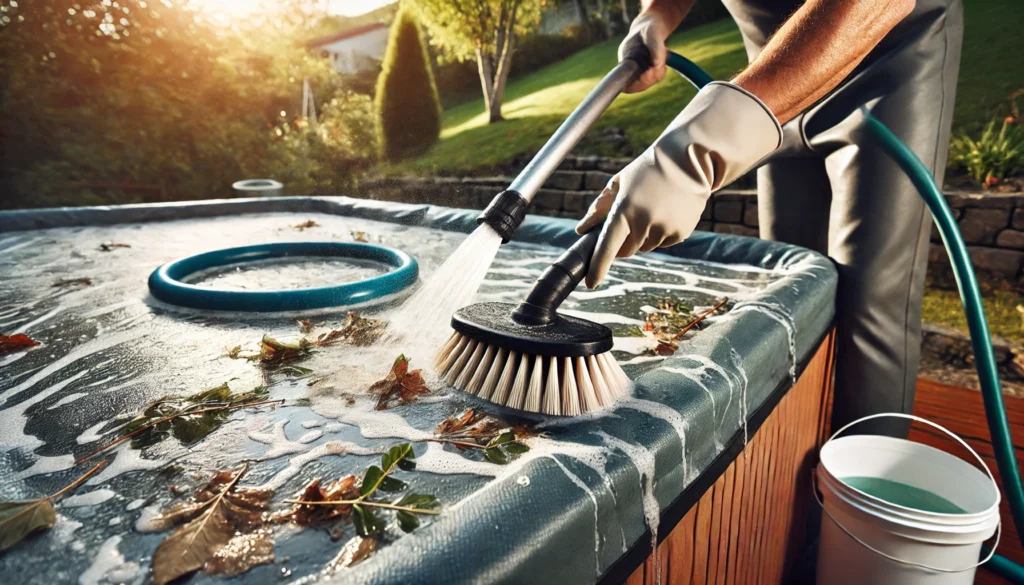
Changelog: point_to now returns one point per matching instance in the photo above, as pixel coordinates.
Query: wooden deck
(960, 410)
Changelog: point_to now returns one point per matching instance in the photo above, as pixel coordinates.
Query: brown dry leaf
(66, 282)
(241, 553)
(361, 237)
(306, 224)
(21, 518)
(16, 342)
(109, 246)
(356, 330)
(216, 515)
(273, 351)
(352, 553)
(346, 488)
(305, 326)
(400, 385)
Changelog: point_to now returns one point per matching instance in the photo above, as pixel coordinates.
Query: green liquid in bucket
(904, 495)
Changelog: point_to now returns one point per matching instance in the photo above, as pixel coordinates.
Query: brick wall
(992, 224)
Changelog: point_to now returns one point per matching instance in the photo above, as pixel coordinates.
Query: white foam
(88, 499)
(114, 521)
(147, 521)
(279, 443)
(779, 315)
(311, 436)
(738, 364)
(92, 433)
(65, 528)
(312, 424)
(44, 464)
(324, 450)
(67, 400)
(106, 559)
(135, 504)
(333, 428)
(13, 419)
(643, 460)
(125, 460)
(665, 413)
(634, 345)
(438, 460)
(378, 424)
(606, 318)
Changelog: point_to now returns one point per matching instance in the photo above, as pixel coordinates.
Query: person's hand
(657, 200)
(649, 30)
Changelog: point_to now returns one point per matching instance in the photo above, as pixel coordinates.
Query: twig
(457, 443)
(364, 503)
(172, 417)
(694, 323)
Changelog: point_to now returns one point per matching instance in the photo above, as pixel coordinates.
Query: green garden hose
(970, 296)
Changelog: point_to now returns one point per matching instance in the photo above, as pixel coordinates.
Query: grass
(942, 307)
(536, 104)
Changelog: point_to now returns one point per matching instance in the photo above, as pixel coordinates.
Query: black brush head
(565, 336)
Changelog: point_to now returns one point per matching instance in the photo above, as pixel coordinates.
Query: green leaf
(496, 455)
(21, 518)
(408, 463)
(407, 521)
(371, 478)
(516, 448)
(295, 370)
(501, 439)
(367, 523)
(402, 456)
(390, 484)
(418, 501)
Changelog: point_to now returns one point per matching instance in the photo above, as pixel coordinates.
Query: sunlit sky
(239, 8)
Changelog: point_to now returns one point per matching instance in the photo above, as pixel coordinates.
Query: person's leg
(879, 225)
(793, 198)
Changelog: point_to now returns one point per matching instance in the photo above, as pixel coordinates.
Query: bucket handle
(999, 526)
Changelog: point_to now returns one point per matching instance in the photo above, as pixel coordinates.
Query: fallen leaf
(109, 247)
(400, 385)
(305, 326)
(356, 330)
(16, 342)
(346, 488)
(470, 429)
(241, 553)
(273, 351)
(360, 237)
(218, 514)
(355, 550)
(72, 282)
(306, 224)
(21, 518)
(671, 321)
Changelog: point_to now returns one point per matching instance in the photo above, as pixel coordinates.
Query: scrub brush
(530, 357)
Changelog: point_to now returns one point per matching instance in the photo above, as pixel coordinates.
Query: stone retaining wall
(992, 224)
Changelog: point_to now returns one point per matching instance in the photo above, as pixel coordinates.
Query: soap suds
(296, 464)
(88, 499)
(311, 436)
(106, 559)
(311, 424)
(44, 464)
(280, 444)
(135, 504)
(665, 413)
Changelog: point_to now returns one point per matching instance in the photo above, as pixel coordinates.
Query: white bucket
(868, 540)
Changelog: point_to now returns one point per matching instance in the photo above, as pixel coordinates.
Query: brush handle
(554, 285)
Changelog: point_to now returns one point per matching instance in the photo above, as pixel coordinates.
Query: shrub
(991, 157)
(407, 106)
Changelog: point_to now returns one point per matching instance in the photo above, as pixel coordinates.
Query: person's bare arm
(807, 57)
(815, 49)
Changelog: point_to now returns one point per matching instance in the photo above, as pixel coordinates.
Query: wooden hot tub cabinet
(747, 519)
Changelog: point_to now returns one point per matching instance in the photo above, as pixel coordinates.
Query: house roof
(347, 34)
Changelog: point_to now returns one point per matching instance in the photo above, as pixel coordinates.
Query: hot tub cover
(564, 514)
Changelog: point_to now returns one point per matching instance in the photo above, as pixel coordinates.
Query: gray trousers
(830, 189)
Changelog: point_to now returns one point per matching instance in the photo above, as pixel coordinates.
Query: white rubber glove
(658, 198)
(649, 29)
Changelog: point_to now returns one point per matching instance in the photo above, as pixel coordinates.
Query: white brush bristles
(560, 386)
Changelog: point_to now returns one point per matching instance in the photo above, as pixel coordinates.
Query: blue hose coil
(166, 283)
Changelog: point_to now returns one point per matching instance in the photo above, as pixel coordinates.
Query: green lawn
(942, 307)
(537, 103)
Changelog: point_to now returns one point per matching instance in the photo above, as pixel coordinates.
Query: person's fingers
(647, 79)
(599, 208)
(671, 241)
(614, 233)
(654, 239)
(638, 231)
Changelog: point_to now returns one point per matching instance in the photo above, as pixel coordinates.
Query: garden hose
(970, 296)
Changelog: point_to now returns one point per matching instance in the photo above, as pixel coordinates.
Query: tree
(408, 108)
(484, 30)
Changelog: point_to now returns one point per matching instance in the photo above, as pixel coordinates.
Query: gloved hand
(658, 198)
(649, 30)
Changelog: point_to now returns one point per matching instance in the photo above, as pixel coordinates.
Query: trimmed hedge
(407, 105)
